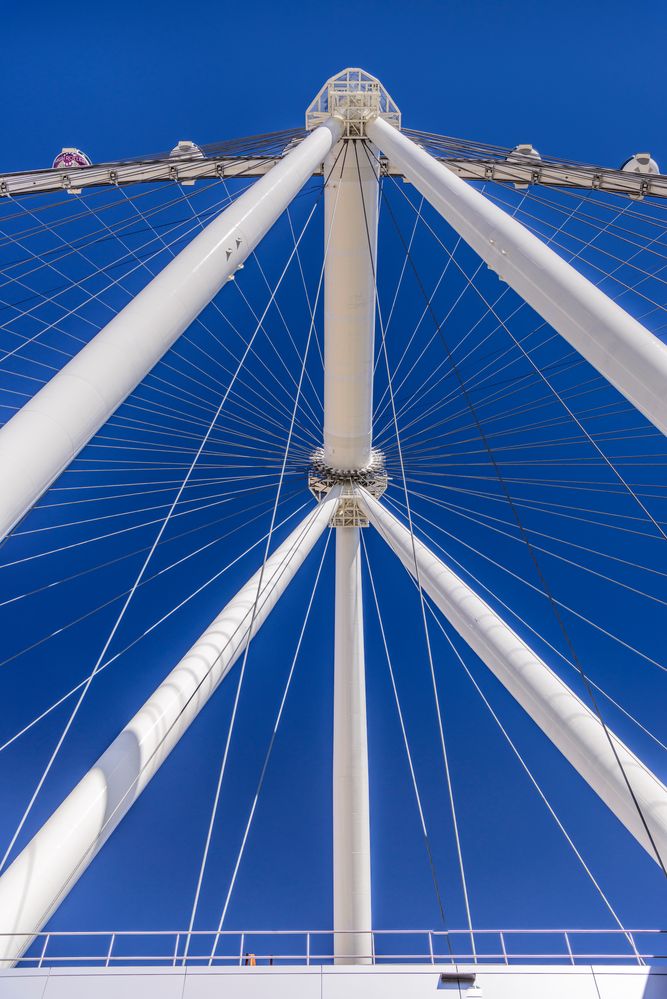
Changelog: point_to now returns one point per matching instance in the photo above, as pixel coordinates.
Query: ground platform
(328, 982)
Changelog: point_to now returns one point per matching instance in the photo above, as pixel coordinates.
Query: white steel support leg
(351, 822)
(50, 865)
(563, 717)
(351, 213)
(619, 347)
(38, 443)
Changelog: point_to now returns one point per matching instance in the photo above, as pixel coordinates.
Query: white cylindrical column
(50, 865)
(351, 821)
(619, 347)
(351, 212)
(38, 443)
(563, 717)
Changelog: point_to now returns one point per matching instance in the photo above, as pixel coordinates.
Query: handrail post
(176, 946)
(308, 948)
(241, 950)
(567, 944)
(430, 946)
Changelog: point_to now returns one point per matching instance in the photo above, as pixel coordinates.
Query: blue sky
(133, 79)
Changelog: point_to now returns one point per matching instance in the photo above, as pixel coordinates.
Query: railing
(180, 948)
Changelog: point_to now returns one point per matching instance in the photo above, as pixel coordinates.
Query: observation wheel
(351, 439)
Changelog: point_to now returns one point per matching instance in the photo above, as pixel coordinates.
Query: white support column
(56, 857)
(350, 240)
(351, 206)
(619, 347)
(351, 820)
(563, 717)
(38, 443)
(349, 305)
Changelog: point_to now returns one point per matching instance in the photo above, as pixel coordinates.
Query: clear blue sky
(124, 79)
(577, 81)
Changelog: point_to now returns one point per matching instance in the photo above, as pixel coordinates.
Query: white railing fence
(179, 948)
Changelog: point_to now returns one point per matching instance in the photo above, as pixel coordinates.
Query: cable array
(506, 452)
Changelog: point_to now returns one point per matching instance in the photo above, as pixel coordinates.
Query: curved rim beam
(185, 170)
(620, 348)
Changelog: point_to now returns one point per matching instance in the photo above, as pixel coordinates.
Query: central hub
(322, 478)
(355, 96)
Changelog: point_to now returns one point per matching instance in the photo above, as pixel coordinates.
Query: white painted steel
(349, 305)
(50, 430)
(50, 865)
(188, 169)
(351, 820)
(619, 347)
(563, 717)
(401, 980)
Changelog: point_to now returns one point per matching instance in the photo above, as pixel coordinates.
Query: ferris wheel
(491, 411)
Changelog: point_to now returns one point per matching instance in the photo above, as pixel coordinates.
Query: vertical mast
(351, 820)
(351, 210)
(351, 221)
(351, 200)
